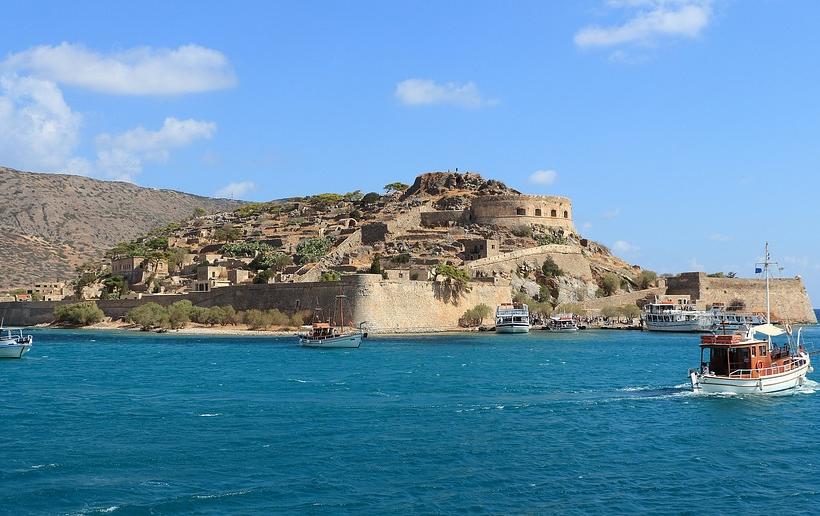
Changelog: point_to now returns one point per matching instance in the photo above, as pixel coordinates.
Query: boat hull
(14, 350)
(679, 327)
(342, 341)
(513, 328)
(769, 384)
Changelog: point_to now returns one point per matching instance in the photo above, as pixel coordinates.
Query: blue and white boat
(512, 318)
(13, 344)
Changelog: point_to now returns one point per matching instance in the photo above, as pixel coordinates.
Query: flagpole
(768, 301)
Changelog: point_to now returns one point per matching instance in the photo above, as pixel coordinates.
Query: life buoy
(759, 364)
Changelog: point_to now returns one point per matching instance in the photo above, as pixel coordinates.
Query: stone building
(477, 248)
(517, 210)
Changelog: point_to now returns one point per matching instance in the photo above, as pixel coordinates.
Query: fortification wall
(630, 298)
(515, 210)
(395, 306)
(568, 258)
(789, 298)
(436, 219)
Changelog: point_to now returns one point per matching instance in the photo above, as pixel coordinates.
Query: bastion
(517, 210)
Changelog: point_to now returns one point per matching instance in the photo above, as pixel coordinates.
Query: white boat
(512, 318)
(13, 344)
(729, 320)
(327, 335)
(667, 316)
(562, 323)
(743, 364)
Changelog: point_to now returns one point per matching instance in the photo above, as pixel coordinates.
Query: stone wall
(437, 219)
(637, 298)
(789, 299)
(568, 258)
(394, 306)
(517, 210)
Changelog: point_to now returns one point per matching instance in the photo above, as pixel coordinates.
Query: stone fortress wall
(515, 210)
(789, 298)
(385, 305)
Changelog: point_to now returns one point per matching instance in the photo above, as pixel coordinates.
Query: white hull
(342, 341)
(13, 350)
(513, 328)
(768, 384)
(682, 326)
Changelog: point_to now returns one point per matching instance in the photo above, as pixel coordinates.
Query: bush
(522, 231)
(376, 265)
(312, 249)
(474, 316)
(277, 318)
(300, 317)
(550, 269)
(571, 308)
(610, 283)
(79, 314)
(646, 279)
(257, 319)
(179, 313)
(331, 276)
(149, 315)
(371, 198)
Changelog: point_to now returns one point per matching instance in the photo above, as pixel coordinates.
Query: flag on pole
(758, 270)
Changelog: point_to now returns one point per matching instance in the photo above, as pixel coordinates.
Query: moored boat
(512, 318)
(14, 345)
(740, 363)
(326, 334)
(664, 315)
(562, 323)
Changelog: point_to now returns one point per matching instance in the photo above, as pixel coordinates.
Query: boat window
(753, 351)
(739, 359)
(763, 351)
(718, 361)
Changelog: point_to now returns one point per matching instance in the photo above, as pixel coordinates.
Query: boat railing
(790, 365)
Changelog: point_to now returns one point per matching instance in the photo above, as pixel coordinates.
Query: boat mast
(768, 301)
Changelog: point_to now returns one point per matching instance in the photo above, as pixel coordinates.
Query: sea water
(591, 422)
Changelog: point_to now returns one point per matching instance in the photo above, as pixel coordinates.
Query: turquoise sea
(595, 422)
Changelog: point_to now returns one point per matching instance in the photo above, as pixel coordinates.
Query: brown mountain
(50, 223)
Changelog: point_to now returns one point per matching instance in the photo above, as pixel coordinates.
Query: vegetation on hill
(78, 314)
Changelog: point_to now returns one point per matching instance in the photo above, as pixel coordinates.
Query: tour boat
(667, 316)
(743, 364)
(729, 320)
(562, 323)
(327, 335)
(13, 344)
(512, 318)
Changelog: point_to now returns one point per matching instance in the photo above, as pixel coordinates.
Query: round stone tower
(517, 210)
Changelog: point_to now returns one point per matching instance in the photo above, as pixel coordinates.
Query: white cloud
(235, 190)
(123, 155)
(650, 20)
(137, 71)
(611, 214)
(623, 246)
(543, 177)
(38, 130)
(720, 237)
(425, 92)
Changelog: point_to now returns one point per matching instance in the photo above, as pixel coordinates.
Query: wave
(206, 414)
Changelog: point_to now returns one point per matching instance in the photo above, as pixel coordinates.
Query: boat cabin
(725, 355)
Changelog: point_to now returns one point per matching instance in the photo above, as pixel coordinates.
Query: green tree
(180, 313)
(227, 233)
(459, 279)
(376, 265)
(550, 269)
(78, 314)
(148, 316)
(395, 187)
(522, 231)
(630, 311)
(371, 198)
(353, 196)
(199, 211)
(610, 283)
(175, 257)
(646, 279)
(256, 319)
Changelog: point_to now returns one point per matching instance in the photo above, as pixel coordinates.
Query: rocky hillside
(50, 223)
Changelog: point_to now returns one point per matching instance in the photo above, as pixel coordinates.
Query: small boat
(743, 364)
(729, 320)
(324, 334)
(13, 344)
(512, 318)
(562, 323)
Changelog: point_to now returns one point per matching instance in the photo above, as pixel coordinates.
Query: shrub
(474, 316)
(610, 283)
(551, 239)
(227, 233)
(571, 308)
(550, 269)
(149, 315)
(79, 314)
(300, 317)
(396, 187)
(257, 319)
(312, 249)
(179, 313)
(458, 279)
(277, 318)
(331, 276)
(376, 265)
(371, 198)
(522, 231)
(645, 279)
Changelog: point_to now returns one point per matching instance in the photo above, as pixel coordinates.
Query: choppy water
(597, 422)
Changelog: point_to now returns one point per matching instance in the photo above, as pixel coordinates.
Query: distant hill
(50, 223)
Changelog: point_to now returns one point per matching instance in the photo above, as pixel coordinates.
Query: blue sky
(685, 131)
